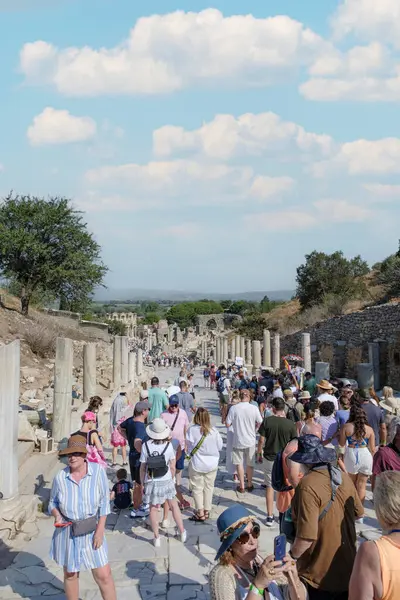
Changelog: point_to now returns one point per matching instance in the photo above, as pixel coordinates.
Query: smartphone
(63, 524)
(280, 547)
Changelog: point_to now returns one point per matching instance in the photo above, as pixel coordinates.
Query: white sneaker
(157, 542)
(165, 524)
(270, 522)
(184, 536)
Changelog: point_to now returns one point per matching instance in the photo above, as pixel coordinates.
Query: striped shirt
(76, 501)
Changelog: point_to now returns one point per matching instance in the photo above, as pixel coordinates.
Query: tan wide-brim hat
(304, 396)
(325, 385)
(76, 443)
(158, 430)
(392, 405)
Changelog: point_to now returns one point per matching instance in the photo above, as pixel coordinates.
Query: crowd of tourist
(317, 444)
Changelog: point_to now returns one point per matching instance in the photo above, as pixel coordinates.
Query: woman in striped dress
(79, 492)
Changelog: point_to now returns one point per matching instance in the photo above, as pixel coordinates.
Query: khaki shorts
(240, 455)
(267, 468)
(224, 398)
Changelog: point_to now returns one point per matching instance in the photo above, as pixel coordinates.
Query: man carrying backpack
(223, 388)
(275, 432)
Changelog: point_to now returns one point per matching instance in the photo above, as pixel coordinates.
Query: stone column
(218, 351)
(242, 348)
(139, 362)
(237, 345)
(63, 389)
(257, 355)
(9, 399)
(374, 359)
(266, 348)
(233, 351)
(131, 367)
(124, 360)
(306, 351)
(322, 371)
(276, 351)
(89, 371)
(225, 352)
(117, 360)
(365, 376)
(248, 353)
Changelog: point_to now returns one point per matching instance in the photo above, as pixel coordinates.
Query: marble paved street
(174, 571)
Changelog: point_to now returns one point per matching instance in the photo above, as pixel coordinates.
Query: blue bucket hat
(231, 524)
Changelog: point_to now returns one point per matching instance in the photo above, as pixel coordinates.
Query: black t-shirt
(134, 430)
(277, 431)
(122, 494)
(267, 382)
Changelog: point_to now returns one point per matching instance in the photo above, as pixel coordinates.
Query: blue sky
(211, 147)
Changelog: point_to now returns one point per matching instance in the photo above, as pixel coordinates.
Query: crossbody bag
(197, 447)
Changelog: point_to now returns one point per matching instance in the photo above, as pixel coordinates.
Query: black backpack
(292, 413)
(277, 476)
(156, 464)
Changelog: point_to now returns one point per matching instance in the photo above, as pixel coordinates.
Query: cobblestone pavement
(174, 571)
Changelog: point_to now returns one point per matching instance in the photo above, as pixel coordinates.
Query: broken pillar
(124, 360)
(257, 355)
(89, 371)
(322, 371)
(63, 390)
(365, 376)
(131, 367)
(9, 405)
(117, 360)
(266, 348)
(276, 351)
(306, 351)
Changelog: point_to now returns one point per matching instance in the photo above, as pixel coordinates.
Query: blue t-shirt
(342, 416)
(135, 430)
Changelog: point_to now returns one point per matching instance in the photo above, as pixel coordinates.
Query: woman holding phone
(79, 503)
(241, 573)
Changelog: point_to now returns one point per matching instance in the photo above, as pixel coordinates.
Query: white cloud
(270, 187)
(382, 192)
(364, 73)
(169, 52)
(250, 134)
(60, 127)
(363, 156)
(179, 182)
(273, 221)
(341, 211)
(369, 19)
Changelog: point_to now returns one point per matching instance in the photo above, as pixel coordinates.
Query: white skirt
(158, 492)
(358, 461)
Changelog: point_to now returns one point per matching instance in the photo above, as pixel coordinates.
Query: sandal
(206, 515)
(250, 488)
(197, 519)
(240, 490)
(183, 505)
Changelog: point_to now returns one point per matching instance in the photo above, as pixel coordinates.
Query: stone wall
(91, 329)
(344, 342)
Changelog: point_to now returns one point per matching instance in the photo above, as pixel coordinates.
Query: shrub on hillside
(41, 338)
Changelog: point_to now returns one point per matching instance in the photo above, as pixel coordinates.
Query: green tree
(116, 327)
(185, 313)
(389, 274)
(45, 244)
(266, 305)
(150, 318)
(329, 274)
(226, 305)
(252, 326)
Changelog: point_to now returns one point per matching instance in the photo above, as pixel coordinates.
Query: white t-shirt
(158, 448)
(278, 393)
(328, 398)
(227, 386)
(244, 418)
(207, 456)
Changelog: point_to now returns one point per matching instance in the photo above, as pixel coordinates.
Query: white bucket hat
(392, 405)
(158, 430)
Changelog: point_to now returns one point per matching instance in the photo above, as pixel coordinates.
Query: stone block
(187, 567)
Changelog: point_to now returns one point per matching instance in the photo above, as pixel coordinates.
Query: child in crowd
(121, 493)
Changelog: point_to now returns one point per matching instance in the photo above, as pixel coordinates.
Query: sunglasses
(245, 536)
(76, 454)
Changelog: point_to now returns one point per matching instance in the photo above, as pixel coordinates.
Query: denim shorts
(180, 464)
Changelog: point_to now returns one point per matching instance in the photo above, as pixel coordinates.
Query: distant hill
(106, 295)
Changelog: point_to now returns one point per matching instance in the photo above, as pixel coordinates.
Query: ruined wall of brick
(343, 342)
